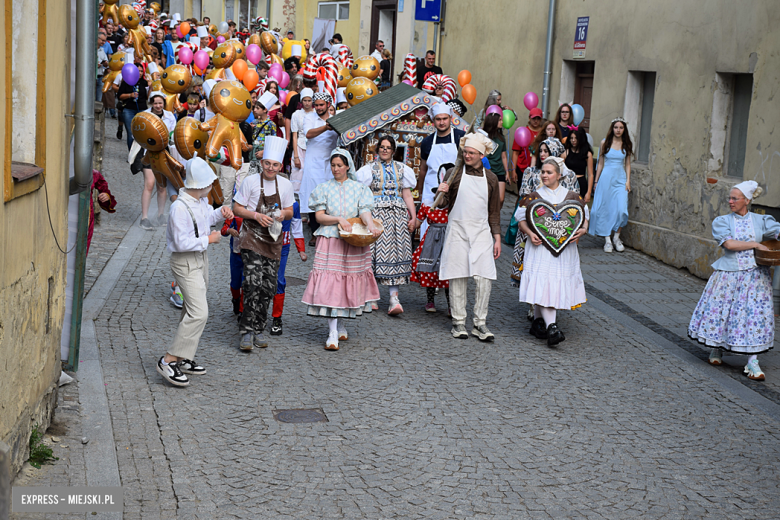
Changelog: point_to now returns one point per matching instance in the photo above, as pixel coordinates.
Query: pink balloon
(202, 59)
(185, 55)
(282, 96)
(220, 39)
(408, 82)
(254, 54)
(276, 75)
(494, 109)
(275, 67)
(178, 32)
(523, 137)
(285, 80)
(531, 100)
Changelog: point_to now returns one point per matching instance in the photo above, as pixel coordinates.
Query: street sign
(427, 10)
(581, 37)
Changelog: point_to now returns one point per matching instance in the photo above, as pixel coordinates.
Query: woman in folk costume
(551, 282)
(735, 312)
(391, 182)
(341, 283)
(426, 259)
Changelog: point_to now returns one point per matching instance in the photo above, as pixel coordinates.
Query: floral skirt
(735, 312)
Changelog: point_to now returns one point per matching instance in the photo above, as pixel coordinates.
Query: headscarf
(747, 188)
(323, 95)
(555, 146)
(350, 164)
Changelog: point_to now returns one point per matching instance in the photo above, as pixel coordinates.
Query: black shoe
(236, 306)
(119, 132)
(276, 327)
(238, 318)
(538, 329)
(172, 373)
(554, 335)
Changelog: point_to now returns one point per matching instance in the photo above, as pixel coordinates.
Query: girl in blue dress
(610, 202)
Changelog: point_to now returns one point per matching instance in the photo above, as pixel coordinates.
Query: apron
(468, 244)
(440, 154)
(317, 168)
(255, 237)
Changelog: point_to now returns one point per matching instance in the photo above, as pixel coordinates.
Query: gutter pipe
(548, 59)
(86, 57)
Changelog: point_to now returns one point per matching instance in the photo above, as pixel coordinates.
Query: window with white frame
(333, 10)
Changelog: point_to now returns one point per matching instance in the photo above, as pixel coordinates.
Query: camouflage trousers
(259, 290)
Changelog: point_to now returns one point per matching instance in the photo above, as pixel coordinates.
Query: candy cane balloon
(345, 56)
(329, 69)
(441, 81)
(410, 69)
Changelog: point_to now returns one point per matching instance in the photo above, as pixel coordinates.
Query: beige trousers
(191, 271)
(458, 300)
(227, 179)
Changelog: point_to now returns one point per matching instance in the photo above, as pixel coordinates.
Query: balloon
(469, 93)
(285, 80)
(590, 140)
(464, 78)
(275, 75)
(577, 114)
(509, 119)
(179, 33)
(282, 96)
(360, 89)
(223, 27)
(239, 69)
(251, 79)
(268, 43)
(275, 66)
(523, 137)
(344, 77)
(198, 71)
(130, 74)
(254, 54)
(220, 39)
(184, 27)
(185, 55)
(365, 67)
(231, 103)
(493, 109)
(408, 82)
(531, 100)
(201, 59)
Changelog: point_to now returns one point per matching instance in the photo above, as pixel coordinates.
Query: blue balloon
(577, 114)
(130, 74)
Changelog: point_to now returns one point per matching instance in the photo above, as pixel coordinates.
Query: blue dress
(610, 203)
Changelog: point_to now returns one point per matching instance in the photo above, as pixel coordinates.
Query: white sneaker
(753, 371)
(608, 245)
(618, 244)
(716, 357)
(333, 341)
(395, 306)
(342, 330)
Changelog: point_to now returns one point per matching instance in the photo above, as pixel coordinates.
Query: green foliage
(39, 452)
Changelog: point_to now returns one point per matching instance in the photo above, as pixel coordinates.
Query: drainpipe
(86, 56)
(268, 13)
(548, 59)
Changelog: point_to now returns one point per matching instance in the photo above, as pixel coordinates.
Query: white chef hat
(208, 85)
(748, 188)
(268, 100)
(274, 148)
(203, 31)
(307, 92)
(129, 55)
(441, 108)
(152, 68)
(479, 142)
(296, 51)
(199, 174)
(148, 30)
(177, 17)
(341, 96)
(229, 74)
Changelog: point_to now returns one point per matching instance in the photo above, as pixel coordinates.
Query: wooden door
(376, 7)
(583, 90)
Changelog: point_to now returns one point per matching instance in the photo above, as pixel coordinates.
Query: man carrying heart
(472, 240)
(554, 219)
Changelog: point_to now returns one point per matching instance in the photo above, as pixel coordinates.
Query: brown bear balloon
(223, 57)
(240, 49)
(151, 134)
(174, 80)
(110, 11)
(232, 104)
(365, 67)
(115, 64)
(130, 20)
(190, 141)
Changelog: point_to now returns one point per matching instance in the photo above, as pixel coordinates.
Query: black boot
(236, 306)
(538, 329)
(276, 327)
(119, 131)
(554, 335)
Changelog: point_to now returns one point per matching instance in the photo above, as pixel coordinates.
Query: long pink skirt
(341, 281)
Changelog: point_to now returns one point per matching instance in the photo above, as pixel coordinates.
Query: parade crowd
(243, 141)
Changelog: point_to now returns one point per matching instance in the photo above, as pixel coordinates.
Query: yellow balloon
(365, 67)
(189, 138)
(288, 47)
(360, 89)
(344, 77)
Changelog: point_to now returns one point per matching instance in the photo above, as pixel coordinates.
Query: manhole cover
(292, 281)
(302, 415)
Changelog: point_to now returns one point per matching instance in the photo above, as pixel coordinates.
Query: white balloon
(223, 27)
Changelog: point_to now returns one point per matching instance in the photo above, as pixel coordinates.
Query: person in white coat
(472, 242)
(320, 142)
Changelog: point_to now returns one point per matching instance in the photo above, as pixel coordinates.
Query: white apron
(316, 169)
(468, 243)
(440, 154)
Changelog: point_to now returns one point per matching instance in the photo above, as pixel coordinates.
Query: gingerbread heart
(555, 224)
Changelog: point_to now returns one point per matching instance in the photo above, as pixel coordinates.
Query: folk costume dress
(610, 202)
(426, 259)
(735, 312)
(550, 281)
(392, 252)
(341, 281)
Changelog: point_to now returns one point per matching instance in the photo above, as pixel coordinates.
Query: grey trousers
(191, 271)
(458, 300)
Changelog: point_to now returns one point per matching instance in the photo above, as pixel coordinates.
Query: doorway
(583, 89)
(383, 17)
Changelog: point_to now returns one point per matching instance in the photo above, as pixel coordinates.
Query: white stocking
(333, 323)
(548, 313)
(751, 358)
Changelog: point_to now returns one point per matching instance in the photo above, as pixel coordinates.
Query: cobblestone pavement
(607, 425)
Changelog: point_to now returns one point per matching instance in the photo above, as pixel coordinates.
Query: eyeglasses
(565, 112)
(734, 199)
(385, 149)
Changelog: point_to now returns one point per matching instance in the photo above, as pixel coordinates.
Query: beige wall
(686, 43)
(29, 356)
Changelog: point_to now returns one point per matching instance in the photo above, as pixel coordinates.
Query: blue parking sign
(427, 10)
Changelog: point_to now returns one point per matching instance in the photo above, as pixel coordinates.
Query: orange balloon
(251, 79)
(197, 71)
(239, 69)
(464, 78)
(184, 27)
(469, 93)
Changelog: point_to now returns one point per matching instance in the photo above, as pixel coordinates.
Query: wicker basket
(771, 257)
(361, 240)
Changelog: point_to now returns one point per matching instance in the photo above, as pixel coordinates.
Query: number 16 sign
(581, 37)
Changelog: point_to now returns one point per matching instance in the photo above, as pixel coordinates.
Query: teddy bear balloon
(110, 11)
(223, 57)
(175, 80)
(190, 141)
(115, 64)
(151, 134)
(130, 21)
(232, 103)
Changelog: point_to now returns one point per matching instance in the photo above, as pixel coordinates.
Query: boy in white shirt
(188, 238)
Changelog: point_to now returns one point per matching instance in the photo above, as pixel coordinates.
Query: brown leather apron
(256, 237)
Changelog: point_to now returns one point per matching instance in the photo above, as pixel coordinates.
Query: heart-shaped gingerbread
(555, 224)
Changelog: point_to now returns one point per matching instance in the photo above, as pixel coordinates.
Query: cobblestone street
(625, 419)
